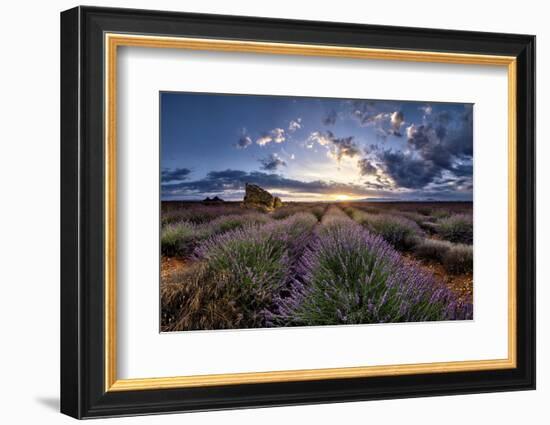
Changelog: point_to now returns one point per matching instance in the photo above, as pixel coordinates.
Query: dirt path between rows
(169, 265)
(462, 285)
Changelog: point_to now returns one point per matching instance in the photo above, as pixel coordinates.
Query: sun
(341, 197)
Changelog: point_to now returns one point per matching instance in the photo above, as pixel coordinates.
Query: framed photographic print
(261, 212)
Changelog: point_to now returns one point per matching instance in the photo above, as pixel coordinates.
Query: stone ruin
(255, 196)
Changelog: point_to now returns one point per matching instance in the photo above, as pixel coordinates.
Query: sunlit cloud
(277, 135)
(338, 147)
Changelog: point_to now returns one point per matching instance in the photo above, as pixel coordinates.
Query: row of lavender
(437, 236)
(254, 270)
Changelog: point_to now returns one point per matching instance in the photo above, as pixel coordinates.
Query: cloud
(175, 174)
(397, 119)
(317, 137)
(444, 137)
(231, 181)
(407, 171)
(330, 118)
(244, 141)
(339, 147)
(272, 162)
(227, 175)
(441, 145)
(230, 184)
(277, 135)
(294, 125)
(387, 124)
(363, 111)
(345, 147)
(463, 170)
(264, 140)
(386, 120)
(427, 110)
(366, 167)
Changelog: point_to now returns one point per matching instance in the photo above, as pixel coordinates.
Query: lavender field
(225, 266)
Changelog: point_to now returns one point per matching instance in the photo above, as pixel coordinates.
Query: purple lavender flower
(347, 272)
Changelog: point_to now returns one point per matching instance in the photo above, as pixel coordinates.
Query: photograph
(284, 211)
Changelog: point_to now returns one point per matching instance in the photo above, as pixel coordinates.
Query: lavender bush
(289, 236)
(332, 212)
(235, 221)
(459, 259)
(456, 258)
(256, 263)
(399, 231)
(356, 214)
(182, 237)
(286, 211)
(318, 211)
(440, 213)
(352, 276)
(411, 215)
(432, 249)
(198, 298)
(295, 231)
(199, 213)
(458, 228)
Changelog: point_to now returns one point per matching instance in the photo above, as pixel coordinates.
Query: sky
(314, 149)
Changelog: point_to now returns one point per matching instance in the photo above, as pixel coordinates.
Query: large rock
(255, 196)
(277, 202)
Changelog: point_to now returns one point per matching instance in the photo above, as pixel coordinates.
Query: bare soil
(169, 265)
(462, 284)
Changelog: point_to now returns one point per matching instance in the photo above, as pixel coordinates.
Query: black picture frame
(83, 392)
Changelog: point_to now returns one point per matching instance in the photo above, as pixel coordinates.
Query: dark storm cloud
(175, 174)
(407, 171)
(452, 183)
(463, 170)
(442, 144)
(366, 168)
(451, 133)
(272, 162)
